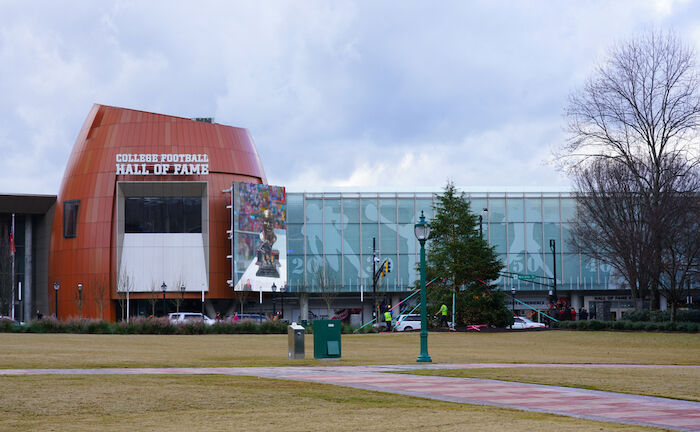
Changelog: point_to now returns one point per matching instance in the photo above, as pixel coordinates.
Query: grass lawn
(78, 350)
(168, 403)
(676, 382)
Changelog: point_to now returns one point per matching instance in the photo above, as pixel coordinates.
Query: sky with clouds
(386, 95)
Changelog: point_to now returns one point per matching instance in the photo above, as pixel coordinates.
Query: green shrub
(692, 315)
(8, 326)
(651, 326)
(619, 325)
(596, 325)
(637, 315)
(191, 328)
(99, 327)
(638, 325)
(45, 325)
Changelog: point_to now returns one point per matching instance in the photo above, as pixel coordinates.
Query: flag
(12, 236)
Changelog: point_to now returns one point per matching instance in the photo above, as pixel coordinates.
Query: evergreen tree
(463, 263)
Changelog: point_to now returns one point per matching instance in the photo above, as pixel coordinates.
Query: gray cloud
(371, 94)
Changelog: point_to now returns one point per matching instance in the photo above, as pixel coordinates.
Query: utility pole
(553, 247)
(374, 280)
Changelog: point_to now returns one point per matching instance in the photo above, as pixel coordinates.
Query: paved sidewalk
(588, 404)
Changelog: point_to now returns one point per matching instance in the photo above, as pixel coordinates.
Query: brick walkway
(588, 404)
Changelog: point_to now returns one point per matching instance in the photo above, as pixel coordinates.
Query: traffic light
(387, 267)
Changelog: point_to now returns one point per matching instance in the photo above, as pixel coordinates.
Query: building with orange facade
(171, 170)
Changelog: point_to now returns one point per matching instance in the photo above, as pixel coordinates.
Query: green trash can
(326, 339)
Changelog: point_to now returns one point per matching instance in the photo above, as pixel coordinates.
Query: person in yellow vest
(387, 319)
(443, 315)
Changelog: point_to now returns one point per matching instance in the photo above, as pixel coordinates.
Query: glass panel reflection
(387, 210)
(369, 210)
(515, 209)
(533, 210)
(551, 209)
(331, 211)
(295, 208)
(314, 211)
(351, 210)
(497, 209)
(407, 213)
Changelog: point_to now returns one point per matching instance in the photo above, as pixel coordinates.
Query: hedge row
(680, 326)
(684, 315)
(149, 326)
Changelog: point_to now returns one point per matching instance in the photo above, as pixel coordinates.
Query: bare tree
(610, 224)
(633, 121)
(153, 298)
(98, 289)
(178, 300)
(681, 243)
(242, 296)
(125, 284)
(327, 289)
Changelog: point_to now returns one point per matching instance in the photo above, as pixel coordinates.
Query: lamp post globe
(164, 288)
(422, 232)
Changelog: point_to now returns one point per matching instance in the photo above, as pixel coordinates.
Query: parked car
(520, 323)
(407, 323)
(185, 317)
(7, 318)
(248, 317)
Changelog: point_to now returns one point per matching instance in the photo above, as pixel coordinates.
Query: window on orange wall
(70, 218)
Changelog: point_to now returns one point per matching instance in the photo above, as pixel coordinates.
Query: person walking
(387, 319)
(443, 315)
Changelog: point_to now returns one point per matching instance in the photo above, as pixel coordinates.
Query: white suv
(407, 323)
(185, 317)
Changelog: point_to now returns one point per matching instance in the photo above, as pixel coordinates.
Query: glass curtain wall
(332, 235)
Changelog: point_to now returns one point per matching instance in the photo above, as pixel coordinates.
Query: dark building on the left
(33, 217)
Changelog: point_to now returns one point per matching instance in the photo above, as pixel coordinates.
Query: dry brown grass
(676, 382)
(70, 351)
(179, 403)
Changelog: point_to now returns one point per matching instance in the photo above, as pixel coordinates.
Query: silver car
(407, 322)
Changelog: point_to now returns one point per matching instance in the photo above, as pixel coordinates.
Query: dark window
(192, 208)
(70, 218)
(163, 215)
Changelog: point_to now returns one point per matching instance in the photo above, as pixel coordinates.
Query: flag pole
(12, 254)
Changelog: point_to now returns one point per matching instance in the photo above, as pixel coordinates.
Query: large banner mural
(259, 240)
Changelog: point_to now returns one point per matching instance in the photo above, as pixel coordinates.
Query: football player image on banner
(259, 237)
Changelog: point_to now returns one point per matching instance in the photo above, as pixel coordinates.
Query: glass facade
(339, 230)
(163, 214)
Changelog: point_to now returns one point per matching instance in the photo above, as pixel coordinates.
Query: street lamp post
(422, 231)
(512, 292)
(182, 292)
(553, 247)
(163, 288)
(274, 303)
(485, 211)
(80, 301)
(56, 286)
